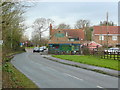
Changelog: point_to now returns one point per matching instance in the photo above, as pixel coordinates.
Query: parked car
(36, 49)
(112, 50)
(44, 47)
(41, 49)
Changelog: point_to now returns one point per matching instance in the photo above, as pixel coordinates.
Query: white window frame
(101, 37)
(114, 38)
(72, 39)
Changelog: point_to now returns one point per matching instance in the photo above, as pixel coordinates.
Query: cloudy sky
(70, 12)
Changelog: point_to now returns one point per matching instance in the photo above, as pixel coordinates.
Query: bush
(19, 49)
(85, 50)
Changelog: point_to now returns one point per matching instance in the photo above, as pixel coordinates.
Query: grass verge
(91, 60)
(29, 47)
(13, 78)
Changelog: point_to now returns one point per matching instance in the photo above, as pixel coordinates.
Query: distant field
(91, 60)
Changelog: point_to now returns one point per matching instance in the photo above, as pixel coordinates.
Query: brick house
(106, 35)
(65, 40)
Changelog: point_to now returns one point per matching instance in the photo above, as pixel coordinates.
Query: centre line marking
(73, 76)
(99, 87)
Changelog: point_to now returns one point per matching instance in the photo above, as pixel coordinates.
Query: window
(77, 39)
(71, 39)
(114, 37)
(101, 37)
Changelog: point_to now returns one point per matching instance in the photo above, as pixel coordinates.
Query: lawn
(91, 60)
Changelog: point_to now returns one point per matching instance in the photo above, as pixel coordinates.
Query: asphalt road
(49, 74)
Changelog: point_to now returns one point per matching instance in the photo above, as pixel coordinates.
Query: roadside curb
(85, 66)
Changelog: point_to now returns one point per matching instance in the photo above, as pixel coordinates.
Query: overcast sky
(70, 12)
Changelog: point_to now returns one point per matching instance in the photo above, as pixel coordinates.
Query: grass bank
(91, 60)
(13, 78)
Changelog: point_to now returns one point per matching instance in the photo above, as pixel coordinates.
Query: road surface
(49, 74)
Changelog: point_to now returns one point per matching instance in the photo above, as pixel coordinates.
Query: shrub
(85, 50)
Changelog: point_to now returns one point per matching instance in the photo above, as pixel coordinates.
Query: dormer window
(73, 39)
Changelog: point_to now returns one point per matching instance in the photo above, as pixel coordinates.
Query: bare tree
(82, 24)
(35, 40)
(24, 38)
(63, 26)
(41, 25)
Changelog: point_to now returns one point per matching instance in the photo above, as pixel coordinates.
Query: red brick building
(65, 39)
(106, 35)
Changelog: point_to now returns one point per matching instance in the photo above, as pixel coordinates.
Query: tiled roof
(60, 42)
(103, 29)
(72, 33)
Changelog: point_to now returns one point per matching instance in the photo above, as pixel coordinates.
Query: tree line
(12, 25)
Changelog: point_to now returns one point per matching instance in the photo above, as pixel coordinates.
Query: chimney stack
(50, 29)
(50, 26)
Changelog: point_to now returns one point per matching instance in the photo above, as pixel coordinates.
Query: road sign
(1, 41)
(21, 44)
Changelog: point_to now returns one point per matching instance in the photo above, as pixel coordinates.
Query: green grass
(13, 78)
(91, 60)
(9, 56)
(17, 79)
(29, 47)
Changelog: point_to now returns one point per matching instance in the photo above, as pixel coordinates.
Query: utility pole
(101, 32)
(107, 29)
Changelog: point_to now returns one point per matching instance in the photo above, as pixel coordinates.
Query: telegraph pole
(107, 29)
(101, 32)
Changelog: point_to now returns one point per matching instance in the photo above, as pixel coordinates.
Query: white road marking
(73, 76)
(99, 87)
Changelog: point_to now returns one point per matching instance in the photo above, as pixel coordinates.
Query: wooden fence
(108, 55)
